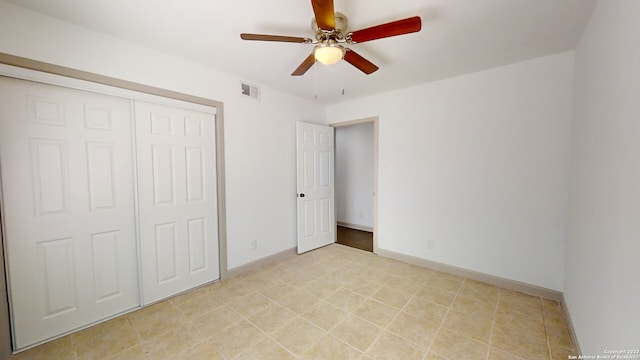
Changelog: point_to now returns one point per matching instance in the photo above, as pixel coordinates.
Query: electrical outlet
(254, 244)
(430, 244)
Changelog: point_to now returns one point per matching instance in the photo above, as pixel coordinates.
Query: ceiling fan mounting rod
(337, 31)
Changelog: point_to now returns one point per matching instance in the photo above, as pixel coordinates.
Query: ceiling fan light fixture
(328, 53)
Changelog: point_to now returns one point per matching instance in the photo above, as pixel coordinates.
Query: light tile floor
(332, 303)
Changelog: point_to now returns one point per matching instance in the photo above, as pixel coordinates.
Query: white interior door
(315, 183)
(177, 199)
(68, 207)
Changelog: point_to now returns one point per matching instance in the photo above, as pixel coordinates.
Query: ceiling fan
(330, 30)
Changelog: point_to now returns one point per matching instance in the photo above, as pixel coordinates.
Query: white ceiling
(457, 37)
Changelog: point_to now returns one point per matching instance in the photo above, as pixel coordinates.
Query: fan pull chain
(315, 81)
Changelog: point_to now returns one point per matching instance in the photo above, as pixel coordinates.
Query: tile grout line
(197, 329)
(449, 309)
(268, 336)
(298, 316)
(444, 320)
(495, 308)
(73, 347)
(352, 312)
(227, 304)
(413, 296)
(370, 297)
(139, 339)
(386, 328)
(493, 321)
(509, 311)
(546, 332)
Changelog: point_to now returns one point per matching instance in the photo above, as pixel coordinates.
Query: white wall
(259, 136)
(479, 165)
(603, 250)
(354, 175)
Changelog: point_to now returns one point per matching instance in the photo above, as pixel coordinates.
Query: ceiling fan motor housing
(337, 34)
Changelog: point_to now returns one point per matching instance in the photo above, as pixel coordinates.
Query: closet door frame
(31, 70)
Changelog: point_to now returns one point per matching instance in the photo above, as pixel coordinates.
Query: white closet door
(68, 209)
(177, 199)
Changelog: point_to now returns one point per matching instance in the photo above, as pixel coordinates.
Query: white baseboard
(355, 226)
(572, 330)
(231, 273)
(474, 275)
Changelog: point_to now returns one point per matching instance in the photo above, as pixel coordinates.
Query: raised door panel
(163, 175)
(45, 110)
(49, 175)
(197, 245)
(195, 160)
(102, 180)
(97, 118)
(106, 260)
(57, 266)
(166, 252)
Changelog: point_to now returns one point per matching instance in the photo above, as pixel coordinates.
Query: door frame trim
(375, 121)
(33, 70)
(42, 67)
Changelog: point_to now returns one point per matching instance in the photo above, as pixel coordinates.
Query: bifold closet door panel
(68, 207)
(177, 199)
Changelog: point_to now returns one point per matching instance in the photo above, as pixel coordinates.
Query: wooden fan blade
(358, 61)
(306, 65)
(394, 28)
(325, 15)
(261, 37)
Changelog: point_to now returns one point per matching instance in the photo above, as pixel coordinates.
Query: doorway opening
(356, 183)
(358, 239)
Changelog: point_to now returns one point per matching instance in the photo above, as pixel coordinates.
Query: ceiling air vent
(251, 91)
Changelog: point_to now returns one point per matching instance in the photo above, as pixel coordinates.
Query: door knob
(301, 195)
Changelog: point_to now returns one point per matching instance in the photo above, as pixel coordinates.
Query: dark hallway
(358, 239)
